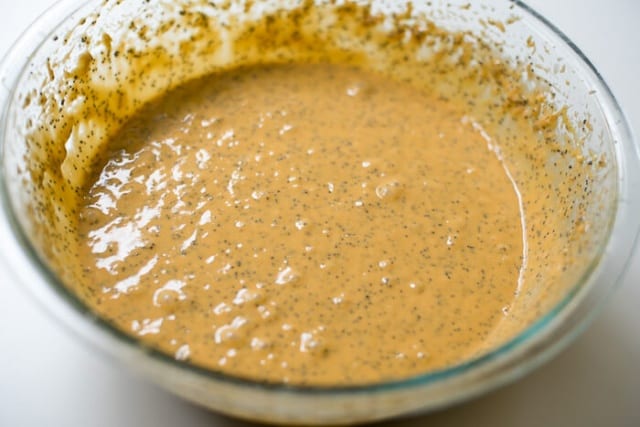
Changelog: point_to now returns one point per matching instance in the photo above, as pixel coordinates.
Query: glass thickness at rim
(502, 363)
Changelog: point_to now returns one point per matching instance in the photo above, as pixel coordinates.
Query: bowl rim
(48, 288)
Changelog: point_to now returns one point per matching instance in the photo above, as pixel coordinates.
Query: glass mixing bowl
(607, 216)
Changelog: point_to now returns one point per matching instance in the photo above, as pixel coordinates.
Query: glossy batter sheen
(312, 224)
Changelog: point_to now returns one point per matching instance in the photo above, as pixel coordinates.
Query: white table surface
(48, 378)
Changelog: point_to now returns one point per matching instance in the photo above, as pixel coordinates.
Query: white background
(48, 378)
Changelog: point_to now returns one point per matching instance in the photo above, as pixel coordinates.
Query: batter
(307, 224)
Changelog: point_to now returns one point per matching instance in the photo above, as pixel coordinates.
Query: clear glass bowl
(612, 211)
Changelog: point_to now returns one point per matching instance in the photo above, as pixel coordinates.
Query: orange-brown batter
(310, 224)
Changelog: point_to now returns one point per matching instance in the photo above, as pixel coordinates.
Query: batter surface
(310, 224)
